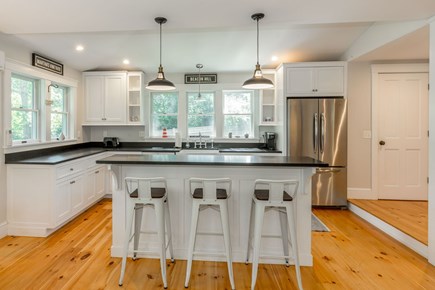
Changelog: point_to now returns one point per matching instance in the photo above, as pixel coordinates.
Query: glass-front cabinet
(135, 98)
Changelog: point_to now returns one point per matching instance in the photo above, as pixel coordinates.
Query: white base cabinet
(41, 198)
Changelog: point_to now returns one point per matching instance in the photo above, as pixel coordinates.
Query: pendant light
(160, 83)
(199, 67)
(258, 81)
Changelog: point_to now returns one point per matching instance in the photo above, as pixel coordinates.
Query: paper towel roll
(178, 140)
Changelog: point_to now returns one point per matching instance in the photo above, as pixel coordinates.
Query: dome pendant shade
(160, 83)
(258, 81)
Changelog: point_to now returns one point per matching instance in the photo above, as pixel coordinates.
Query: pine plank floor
(354, 255)
(410, 217)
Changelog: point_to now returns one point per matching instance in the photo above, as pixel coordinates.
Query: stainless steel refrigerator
(317, 127)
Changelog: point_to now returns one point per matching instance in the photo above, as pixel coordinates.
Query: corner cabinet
(315, 79)
(51, 194)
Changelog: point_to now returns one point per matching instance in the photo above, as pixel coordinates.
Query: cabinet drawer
(70, 169)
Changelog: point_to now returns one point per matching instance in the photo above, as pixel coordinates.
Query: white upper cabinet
(315, 79)
(106, 98)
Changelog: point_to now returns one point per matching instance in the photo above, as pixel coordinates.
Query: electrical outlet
(367, 134)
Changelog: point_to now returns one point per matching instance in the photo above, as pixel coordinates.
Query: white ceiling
(219, 34)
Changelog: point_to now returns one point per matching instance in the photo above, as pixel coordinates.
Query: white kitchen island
(243, 170)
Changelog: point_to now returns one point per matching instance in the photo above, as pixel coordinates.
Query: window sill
(37, 145)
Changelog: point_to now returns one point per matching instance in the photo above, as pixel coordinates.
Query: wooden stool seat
(263, 194)
(156, 192)
(221, 193)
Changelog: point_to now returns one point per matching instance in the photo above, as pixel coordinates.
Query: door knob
(382, 143)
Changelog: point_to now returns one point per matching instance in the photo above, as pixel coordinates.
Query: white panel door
(403, 138)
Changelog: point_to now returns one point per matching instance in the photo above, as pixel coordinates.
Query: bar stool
(208, 192)
(276, 195)
(147, 192)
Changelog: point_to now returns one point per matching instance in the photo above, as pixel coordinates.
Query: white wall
(17, 50)
(359, 120)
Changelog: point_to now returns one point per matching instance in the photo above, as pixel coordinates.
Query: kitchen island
(243, 170)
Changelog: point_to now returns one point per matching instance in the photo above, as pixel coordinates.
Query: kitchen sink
(200, 151)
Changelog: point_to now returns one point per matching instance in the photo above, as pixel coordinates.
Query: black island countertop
(215, 160)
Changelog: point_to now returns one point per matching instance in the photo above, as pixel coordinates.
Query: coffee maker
(270, 140)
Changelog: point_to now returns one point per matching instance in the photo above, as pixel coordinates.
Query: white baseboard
(3, 230)
(360, 193)
(396, 234)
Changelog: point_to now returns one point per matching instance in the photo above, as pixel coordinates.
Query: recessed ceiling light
(274, 58)
(79, 47)
(126, 61)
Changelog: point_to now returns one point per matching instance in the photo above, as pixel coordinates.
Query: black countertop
(216, 160)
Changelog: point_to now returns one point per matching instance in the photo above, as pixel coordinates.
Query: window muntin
(237, 109)
(200, 114)
(59, 112)
(164, 112)
(24, 109)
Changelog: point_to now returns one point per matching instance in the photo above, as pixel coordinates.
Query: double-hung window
(238, 108)
(24, 109)
(200, 114)
(164, 111)
(59, 112)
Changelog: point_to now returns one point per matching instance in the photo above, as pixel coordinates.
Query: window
(200, 114)
(59, 112)
(24, 109)
(164, 111)
(237, 110)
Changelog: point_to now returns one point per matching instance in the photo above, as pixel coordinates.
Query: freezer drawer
(329, 187)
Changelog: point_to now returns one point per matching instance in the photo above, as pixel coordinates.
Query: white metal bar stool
(276, 195)
(147, 192)
(208, 192)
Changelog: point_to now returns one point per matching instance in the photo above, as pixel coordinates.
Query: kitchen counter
(215, 160)
(243, 171)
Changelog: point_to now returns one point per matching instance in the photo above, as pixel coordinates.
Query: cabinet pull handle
(98, 171)
(104, 119)
(72, 182)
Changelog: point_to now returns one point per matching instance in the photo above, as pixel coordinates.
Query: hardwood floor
(354, 255)
(410, 217)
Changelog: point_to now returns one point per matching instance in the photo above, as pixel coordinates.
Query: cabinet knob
(98, 171)
(71, 169)
(72, 182)
(382, 142)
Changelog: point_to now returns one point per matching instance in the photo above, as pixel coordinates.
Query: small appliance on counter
(111, 142)
(270, 140)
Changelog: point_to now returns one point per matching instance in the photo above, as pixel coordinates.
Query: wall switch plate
(367, 134)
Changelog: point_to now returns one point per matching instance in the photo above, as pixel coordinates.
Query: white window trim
(252, 114)
(12, 66)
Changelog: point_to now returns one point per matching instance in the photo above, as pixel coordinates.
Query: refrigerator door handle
(322, 131)
(327, 170)
(315, 131)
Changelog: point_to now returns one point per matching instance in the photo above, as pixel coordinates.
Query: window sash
(153, 132)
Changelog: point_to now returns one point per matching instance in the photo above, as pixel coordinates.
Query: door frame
(378, 69)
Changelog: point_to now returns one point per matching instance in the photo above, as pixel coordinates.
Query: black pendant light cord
(160, 44)
(258, 43)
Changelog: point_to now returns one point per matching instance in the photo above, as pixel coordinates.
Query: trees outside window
(59, 112)
(200, 114)
(24, 109)
(238, 107)
(164, 112)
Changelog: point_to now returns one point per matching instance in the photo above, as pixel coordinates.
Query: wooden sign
(47, 64)
(204, 79)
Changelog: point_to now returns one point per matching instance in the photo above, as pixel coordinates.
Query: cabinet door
(100, 181)
(90, 187)
(330, 81)
(62, 202)
(77, 196)
(94, 97)
(115, 103)
(299, 81)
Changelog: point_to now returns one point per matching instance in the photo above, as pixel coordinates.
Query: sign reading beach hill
(47, 64)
